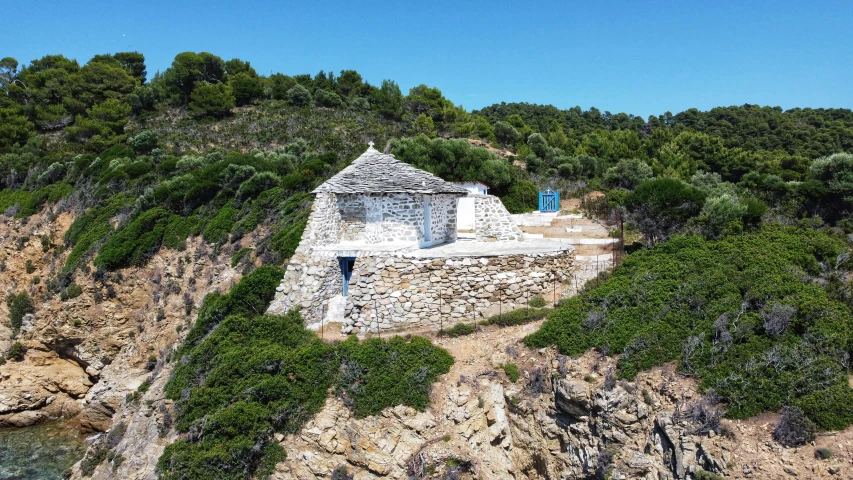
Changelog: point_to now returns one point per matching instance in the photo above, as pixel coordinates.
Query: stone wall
(324, 223)
(443, 225)
(401, 292)
(397, 218)
(492, 221)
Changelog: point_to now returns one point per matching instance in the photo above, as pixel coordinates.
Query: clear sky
(633, 56)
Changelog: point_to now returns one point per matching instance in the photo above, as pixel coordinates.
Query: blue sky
(636, 57)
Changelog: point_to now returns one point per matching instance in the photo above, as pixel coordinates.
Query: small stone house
(380, 251)
(381, 200)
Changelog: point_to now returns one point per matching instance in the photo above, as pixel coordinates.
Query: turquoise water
(42, 452)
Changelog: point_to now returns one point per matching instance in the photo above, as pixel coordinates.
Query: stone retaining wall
(396, 292)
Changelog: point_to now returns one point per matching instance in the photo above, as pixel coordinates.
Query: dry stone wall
(396, 293)
(492, 221)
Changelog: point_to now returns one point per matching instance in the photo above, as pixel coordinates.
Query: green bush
(218, 227)
(285, 241)
(518, 316)
(822, 453)
(92, 227)
(700, 302)
(19, 305)
(16, 352)
(537, 302)
(375, 374)
(254, 375)
(136, 242)
(458, 330)
(240, 255)
(511, 371)
(706, 475)
(71, 291)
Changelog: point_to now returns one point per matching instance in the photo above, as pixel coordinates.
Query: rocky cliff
(86, 351)
(562, 418)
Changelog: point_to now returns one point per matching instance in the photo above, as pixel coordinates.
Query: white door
(465, 214)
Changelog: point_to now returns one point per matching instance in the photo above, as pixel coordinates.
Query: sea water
(39, 452)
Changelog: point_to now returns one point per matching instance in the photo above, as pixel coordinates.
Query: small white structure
(466, 213)
(476, 188)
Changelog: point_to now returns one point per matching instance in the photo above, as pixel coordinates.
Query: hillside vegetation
(740, 274)
(241, 376)
(754, 317)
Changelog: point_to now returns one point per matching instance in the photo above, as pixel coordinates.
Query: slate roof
(377, 172)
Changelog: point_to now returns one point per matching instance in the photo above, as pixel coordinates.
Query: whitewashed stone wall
(397, 218)
(443, 225)
(492, 221)
(324, 222)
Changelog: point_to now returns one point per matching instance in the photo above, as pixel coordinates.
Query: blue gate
(549, 201)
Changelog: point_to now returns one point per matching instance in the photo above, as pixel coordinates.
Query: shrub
(299, 96)
(341, 473)
(16, 352)
(511, 371)
(518, 316)
(325, 98)
(705, 414)
(700, 302)
(29, 267)
(71, 291)
(627, 173)
(457, 330)
(706, 475)
(375, 373)
(537, 302)
(822, 453)
(662, 207)
(211, 99)
(255, 374)
(19, 305)
(144, 142)
(135, 243)
(794, 428)
(218, 227)
(240, 255)
(94, 457)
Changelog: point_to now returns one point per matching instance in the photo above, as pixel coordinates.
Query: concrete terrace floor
(468, 248)
(460, 248)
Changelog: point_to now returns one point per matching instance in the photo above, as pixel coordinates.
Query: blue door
(549, 201)
(347, 264)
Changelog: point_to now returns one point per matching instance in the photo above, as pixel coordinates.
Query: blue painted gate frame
(549, 201)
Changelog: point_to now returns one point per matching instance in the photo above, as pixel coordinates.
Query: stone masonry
(398, 292)
(492, 221)
(394, 293)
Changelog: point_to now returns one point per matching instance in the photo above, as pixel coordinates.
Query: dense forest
(739, 218)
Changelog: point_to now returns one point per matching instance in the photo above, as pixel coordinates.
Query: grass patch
(511, 371)
(458, 330)
(518, 316)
